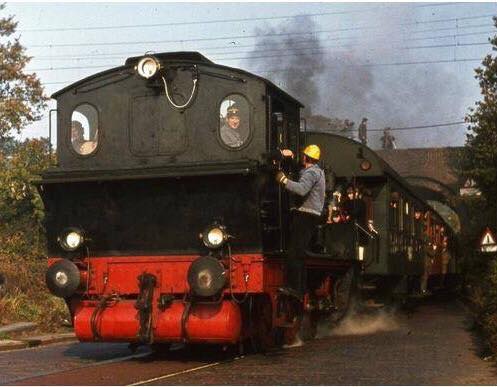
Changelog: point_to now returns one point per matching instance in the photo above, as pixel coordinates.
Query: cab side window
(84, 129)
(234, 125)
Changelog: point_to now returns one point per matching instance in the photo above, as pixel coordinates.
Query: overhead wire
(373, 65)
(439, 125)
(317, 48)
(238, 20)
(229, 37)
(215, 21)
(113, 55)
(265, 57)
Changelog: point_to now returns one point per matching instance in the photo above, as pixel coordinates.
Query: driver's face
(233, 122)
(75, 133)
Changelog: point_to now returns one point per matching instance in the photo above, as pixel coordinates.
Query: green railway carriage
(406, 240)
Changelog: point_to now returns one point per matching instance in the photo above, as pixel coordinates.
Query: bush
(22, 242)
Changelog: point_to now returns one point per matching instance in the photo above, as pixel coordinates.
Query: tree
(481, 145)
(21, 208)
(479, 162)
(21, 94)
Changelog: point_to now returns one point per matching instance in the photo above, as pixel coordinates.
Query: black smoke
(293, 52)
(347, 78)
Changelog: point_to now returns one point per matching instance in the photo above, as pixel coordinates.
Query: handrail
(372, 236)
(50, 130)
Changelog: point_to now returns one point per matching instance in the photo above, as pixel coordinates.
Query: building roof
(439, 164)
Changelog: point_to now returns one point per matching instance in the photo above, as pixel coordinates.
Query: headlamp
(214, 236)
(206, 276)
(147, 67)
(71, 239)
(63, 278)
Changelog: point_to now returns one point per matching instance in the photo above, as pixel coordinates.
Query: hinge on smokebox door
(144, 305)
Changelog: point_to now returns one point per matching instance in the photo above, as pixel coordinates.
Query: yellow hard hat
(312, 151)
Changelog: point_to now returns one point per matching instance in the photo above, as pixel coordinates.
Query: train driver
(230, 131)
(77, 133)
(79, 144)
(311, 188)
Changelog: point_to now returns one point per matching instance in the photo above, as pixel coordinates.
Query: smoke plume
(339, 77)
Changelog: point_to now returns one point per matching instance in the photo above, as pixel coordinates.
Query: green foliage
(21, 208)
(481, 145)
(22, 243)
(479, 162)
(21, 95)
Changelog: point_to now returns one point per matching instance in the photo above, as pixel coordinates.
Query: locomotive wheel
(309, 326)
(344, 294)
(291, 333)
(261, 318)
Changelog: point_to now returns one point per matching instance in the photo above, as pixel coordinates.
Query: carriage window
(234, 121)
(84, 129)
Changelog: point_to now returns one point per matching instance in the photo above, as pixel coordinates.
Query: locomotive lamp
(206, 276)
(214, 236)
(147, 67)
(71, 239)
(63, 278)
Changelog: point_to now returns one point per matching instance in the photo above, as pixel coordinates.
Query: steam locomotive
(161, 230)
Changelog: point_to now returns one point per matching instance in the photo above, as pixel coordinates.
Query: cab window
(234, 125)
(84, 129)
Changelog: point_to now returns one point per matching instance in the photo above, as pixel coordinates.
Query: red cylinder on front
(209, 323)
(117, 322)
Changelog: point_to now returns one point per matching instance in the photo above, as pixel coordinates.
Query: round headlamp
(147, 67)
(214, 236)
(63, 278)
(206, 276)
(71, 239)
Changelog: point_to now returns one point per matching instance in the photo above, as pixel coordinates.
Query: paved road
(431, 345)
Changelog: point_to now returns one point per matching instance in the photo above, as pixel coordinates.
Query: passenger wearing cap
(311, 188)
(230, 131)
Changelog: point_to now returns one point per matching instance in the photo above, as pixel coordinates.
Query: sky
(354, 60)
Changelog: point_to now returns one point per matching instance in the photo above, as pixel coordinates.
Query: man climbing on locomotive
(311, 188)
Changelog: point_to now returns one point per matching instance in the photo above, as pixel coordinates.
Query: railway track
(136, 369)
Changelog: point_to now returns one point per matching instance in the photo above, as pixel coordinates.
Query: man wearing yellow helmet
(311, 188)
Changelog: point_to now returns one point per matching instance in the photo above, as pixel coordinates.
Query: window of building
(84, 129)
